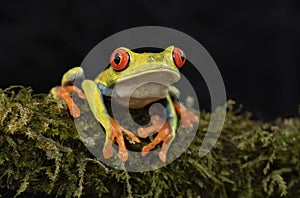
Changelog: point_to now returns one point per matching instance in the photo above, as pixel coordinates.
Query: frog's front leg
(67, 88)
(114, 131)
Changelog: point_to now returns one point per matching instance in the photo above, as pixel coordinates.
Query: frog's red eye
(119, 59)
(178, 57)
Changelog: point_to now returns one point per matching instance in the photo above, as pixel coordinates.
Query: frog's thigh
(96, 103)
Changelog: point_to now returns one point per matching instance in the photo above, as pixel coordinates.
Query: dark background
(255, 44)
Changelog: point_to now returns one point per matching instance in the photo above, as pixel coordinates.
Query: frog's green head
(128, 66)
(144, 77)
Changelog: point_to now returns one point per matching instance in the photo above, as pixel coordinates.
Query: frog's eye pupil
(178, 57)
(119, 59)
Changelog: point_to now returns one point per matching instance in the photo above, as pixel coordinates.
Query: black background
(255, 44)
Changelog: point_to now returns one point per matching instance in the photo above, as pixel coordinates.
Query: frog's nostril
(151, 59)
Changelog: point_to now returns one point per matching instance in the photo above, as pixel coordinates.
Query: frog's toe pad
(143, 132)
(123, 155)
(107, 151)
(163, 156)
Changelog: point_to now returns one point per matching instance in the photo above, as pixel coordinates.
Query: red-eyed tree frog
(127, 68)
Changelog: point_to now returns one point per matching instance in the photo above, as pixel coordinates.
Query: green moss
(41, 154)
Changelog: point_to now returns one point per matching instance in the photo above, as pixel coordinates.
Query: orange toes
(164, 135)
(187, 117)
(65, 93)
(156, 124)
(117, 135)
(145, 151)
(145, 132)
(163, 156)
(79, 92)
(123, 155)
(73, 109)
(107, 151)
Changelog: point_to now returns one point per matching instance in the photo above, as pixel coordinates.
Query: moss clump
(41, 155)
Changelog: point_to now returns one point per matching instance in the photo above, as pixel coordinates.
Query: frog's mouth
(147, 85)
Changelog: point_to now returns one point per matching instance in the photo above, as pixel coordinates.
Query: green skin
(156, 67)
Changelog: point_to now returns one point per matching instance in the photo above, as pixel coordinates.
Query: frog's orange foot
(117, 134)
(65, 93)
(156, 124)
(164, 135)
(187, 117)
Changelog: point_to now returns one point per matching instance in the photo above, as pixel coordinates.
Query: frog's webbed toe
(65, 93)
(187, 117)
(117, 134)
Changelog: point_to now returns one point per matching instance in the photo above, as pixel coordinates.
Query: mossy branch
(41, 154)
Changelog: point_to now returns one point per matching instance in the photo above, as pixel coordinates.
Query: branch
(42, 155)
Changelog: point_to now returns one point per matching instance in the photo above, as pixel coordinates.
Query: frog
(126, 69)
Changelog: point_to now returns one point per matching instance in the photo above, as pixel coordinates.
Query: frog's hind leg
(166, 131)
(67, 88)
(188, 118)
